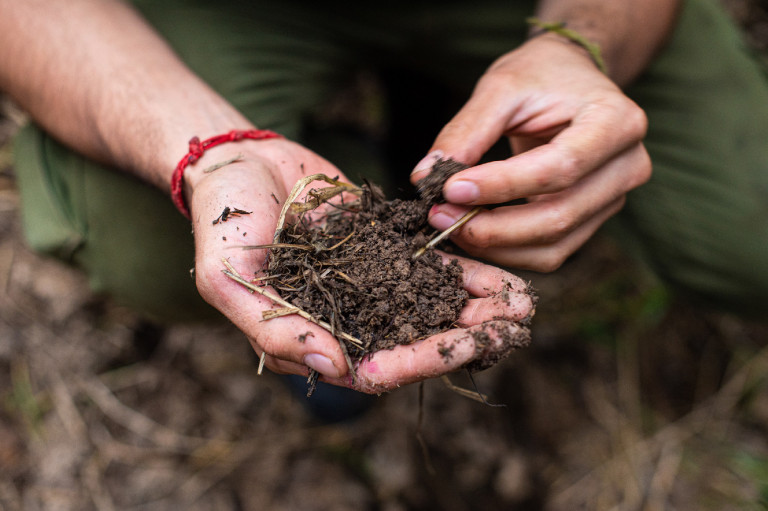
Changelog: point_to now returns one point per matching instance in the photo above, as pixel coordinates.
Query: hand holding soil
(578, 145)
(398, 318)
(257, 182)
(488, 329)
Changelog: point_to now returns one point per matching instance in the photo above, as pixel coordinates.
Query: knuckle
(636, 120)
(568, 171)
(498, 71)
(560, 223)
(552, 261)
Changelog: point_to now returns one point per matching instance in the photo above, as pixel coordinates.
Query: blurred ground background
(627, 399)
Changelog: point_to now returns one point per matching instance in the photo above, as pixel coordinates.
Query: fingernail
(321, 364)
(427, 162)
(441, 221)
(461, 192)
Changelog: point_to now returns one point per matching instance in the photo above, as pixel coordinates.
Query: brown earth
(353, 267)
(628, 398)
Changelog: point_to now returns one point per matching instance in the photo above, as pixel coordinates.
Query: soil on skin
(495, 343)
(354, 269)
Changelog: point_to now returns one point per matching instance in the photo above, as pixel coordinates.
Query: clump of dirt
(431, 187)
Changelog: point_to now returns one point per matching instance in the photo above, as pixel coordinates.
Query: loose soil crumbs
(355, 271)
(353, 267)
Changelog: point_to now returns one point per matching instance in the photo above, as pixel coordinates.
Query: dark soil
(354, 268)
(431, 187)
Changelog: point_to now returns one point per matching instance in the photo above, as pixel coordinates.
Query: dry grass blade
(317, 197)
(440, 237)
(339, 187)
(337, 245)
(262, 361)
(276, 313)
(471, 394)
(237, 278)
(276, 245)
(217, 166)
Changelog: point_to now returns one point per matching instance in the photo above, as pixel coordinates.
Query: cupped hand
(577, 144)
(258, 183)
(490, 326)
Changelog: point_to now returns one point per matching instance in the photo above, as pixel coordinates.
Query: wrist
(183, 180)
(560, 55)
(629, 34)
(562, 33)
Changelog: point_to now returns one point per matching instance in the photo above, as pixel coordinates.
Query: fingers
(500, 294)
(483, 280)
(507, 306)
(279, 366)
(292, 343)
(544, 232)
(544, 257)
(297, 341)
(481, 345)
(478, 125)
(596, 136)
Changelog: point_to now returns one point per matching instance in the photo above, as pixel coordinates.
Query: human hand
(577, 141)
(259, 183)
(489, 328)
(293, 344)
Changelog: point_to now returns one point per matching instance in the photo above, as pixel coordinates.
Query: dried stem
(471, 394)
(440, 237)
(232, 274)
(340, 187)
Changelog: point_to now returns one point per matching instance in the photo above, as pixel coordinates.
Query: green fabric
(128, 237)
(700, 222)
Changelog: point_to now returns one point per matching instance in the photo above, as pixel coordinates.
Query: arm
(99, 79)
(576, 137)
(628, 33)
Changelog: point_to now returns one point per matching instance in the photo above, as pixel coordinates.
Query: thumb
(469, 135)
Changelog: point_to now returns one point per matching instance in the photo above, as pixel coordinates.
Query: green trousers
(701, 223)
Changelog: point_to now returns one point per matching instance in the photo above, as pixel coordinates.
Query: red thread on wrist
(196, 150)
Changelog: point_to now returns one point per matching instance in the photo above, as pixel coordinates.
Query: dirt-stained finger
(483, 280)
(477, 347)
(505, 305)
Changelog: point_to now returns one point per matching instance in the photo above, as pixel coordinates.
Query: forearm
(98, 78)
(629, 33)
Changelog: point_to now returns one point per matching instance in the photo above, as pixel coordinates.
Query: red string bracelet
(196, 150)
